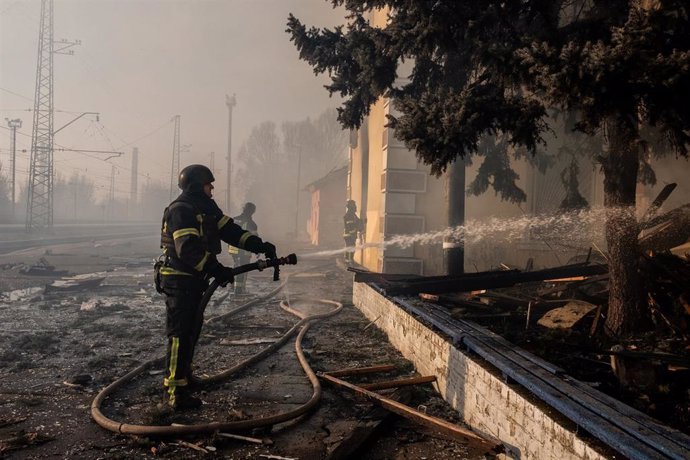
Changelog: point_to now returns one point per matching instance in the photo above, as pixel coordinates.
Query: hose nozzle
(290, 259)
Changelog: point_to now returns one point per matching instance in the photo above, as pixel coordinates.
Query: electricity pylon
(39, 212)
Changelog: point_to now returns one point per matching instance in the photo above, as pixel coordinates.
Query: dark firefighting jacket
(191, 232)
(246, 223)
(353, 225)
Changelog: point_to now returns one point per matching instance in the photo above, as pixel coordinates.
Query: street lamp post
(230, 102)
(299, 173)
(14, 124)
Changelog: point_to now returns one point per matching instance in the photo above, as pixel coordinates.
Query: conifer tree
(485, 68)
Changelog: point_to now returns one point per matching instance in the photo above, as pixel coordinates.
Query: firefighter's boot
(185, 401)
(179, 398)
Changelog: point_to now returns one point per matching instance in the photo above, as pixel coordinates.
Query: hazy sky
(141, 62)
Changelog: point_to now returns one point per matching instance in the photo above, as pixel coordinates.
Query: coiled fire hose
(238, 425)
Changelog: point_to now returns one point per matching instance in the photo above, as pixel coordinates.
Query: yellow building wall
(374, 212)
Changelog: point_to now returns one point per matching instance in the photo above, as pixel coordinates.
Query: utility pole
(175, 169)
(230, 102)
(134, 184)
(299, 174)
(75, 184)
(111, 193)
(39, 212)
(212, 161)
(13, 124)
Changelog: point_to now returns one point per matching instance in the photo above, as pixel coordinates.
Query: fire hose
(237, 425)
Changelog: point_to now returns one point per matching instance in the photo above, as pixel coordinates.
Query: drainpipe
(454, 249)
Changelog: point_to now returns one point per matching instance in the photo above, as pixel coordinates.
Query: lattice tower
(39, 213)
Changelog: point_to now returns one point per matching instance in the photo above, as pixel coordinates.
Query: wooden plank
(374, 419)
(423, 419)
(361, 370)
(398, 383)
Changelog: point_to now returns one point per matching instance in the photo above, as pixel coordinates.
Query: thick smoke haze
(141, 62)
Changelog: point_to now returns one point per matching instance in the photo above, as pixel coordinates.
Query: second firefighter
(240, 256)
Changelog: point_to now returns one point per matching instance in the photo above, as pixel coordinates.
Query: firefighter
(239, 256)
(353, 227)
(192, 229)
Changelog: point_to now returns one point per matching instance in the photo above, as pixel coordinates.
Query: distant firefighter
(353, 228)
(239, 256)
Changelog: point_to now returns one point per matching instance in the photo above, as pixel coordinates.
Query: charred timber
(476, 281)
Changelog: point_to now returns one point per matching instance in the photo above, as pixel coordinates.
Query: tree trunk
(454, 248)
(620, 165)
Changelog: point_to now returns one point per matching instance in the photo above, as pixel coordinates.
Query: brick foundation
(487, 404)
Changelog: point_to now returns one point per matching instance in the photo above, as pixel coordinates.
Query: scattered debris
(22, 439)
(42, 268)
(73, 285)
(566, 316)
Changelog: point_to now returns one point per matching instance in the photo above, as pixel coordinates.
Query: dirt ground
(59, 349)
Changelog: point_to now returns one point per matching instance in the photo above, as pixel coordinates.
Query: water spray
(573, 229)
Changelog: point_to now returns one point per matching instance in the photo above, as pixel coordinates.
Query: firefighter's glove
(223, 275)
(269, 250)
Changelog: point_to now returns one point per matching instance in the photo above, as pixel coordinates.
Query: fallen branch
(180, 442)
(264, 441)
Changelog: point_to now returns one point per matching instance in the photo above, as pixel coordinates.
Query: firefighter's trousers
(350, 242)
(242, 258)
(184, 320)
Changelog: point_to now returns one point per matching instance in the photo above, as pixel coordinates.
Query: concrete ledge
(488, 405)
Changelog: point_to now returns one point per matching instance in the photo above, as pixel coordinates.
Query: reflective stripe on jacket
(191, 239)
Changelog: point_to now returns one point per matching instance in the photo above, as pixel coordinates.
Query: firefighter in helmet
(239, 256)
(353, 227)
(192, 229)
